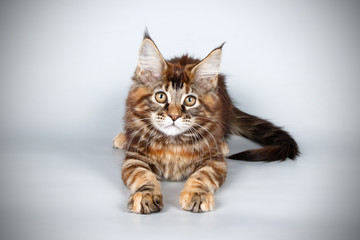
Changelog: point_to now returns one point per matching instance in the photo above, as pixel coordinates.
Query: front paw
(197, 201)
(145, 202)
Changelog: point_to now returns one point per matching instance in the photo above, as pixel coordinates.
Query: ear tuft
(150, 62)
(206, 72)
(146, 34)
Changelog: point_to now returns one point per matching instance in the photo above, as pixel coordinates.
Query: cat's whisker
(214, 121)
(144, 134)
(128, 111)
(215, 142)
(134, 135)
(178, 115)
(201, 151)
(136, 120)
(203, 139)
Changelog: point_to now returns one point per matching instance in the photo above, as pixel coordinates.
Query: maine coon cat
(178, 117)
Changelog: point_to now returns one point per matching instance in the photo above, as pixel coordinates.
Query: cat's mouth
(171, 130)
(172, 126)
(169, 127)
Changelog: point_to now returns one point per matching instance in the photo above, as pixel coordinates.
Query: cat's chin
(171, 130)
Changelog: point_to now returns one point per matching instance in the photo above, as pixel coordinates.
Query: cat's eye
(190, 101)
(160, 97)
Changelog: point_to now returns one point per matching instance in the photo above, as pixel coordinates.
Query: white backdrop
(65, 68)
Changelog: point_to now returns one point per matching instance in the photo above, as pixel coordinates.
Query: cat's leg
(145, 189)
(198, 192)
(119, 141)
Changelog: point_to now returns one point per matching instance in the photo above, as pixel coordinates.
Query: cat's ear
(151, 63)
(206, 72)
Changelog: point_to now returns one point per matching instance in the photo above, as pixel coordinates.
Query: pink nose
(174, 117)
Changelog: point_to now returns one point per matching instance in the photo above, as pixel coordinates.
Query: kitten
(178, 117)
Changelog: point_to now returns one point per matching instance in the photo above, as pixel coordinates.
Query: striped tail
(277, 143)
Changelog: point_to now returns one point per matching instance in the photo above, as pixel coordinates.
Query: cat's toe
(197, 201)
(145, 202)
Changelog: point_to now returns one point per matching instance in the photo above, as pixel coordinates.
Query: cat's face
(178, 94)
(176, 110)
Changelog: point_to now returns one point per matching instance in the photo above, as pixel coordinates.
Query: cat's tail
(277, 143)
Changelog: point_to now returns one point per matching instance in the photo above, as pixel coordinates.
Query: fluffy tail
(277, 143)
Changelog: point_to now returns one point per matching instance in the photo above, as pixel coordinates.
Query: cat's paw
(145, 202)
(119, 141)
(197, 201)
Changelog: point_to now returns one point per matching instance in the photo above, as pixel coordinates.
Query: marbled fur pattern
(193, 148)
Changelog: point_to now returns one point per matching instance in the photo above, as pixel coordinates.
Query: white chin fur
(168, 128)
(171, 130)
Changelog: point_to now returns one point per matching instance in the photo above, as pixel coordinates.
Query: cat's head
(174, 96)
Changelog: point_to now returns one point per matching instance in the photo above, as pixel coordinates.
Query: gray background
(65, 69)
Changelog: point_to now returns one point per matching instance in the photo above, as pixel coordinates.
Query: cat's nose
(174, 117)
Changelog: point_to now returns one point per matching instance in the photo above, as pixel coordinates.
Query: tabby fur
(169, 140)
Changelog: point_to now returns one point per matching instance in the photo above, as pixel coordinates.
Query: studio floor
(73, 190)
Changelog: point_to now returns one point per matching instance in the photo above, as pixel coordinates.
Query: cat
(178, 117)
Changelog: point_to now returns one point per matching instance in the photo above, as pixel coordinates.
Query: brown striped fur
(169, 140)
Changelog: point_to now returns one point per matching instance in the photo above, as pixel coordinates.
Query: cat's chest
(175, 162)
